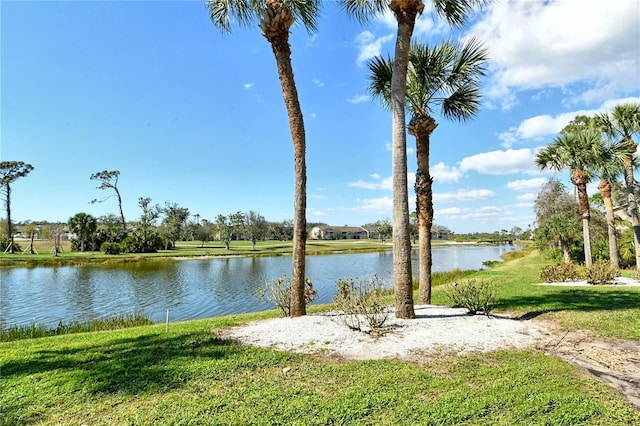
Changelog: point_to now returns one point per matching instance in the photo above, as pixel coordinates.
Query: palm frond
(462, 104)
(306, 12)
(364, 10)
(225, 12)
(456, 12)
(380, 72)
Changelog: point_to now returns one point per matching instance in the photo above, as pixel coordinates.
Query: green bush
(110, 248)
(361, 302)
(601, 273)
(561, 272)
(475, 296)
(278, 293)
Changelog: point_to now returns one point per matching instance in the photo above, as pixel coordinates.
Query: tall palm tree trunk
(580, 179)
(405, 12)
(631, 197)
(421, 127)
(605, 189)
(275, 26)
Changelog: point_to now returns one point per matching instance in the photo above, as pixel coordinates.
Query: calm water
(191, 288)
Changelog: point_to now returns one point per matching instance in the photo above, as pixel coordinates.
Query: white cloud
(526, 185)
(370, 46)
(375, 205)
(357, 99)
(248, 86)
(375, 176)
(501, 162)
(524, 205)
(442, 173)
(546, 125)
(317, 82)
(530, 196)
(485, 214)
(383, 184)
(464, 195)
(386, 184)
(542, 44)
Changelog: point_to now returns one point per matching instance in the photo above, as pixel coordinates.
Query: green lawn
(191, 375)
(184, 249)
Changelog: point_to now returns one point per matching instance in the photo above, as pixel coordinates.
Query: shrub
(561, 272)
(361, 302)
(110, 248)
(278, 293)
(601, 273)
(473, 295)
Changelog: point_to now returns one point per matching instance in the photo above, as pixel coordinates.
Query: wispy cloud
(357, 99)
(464, 195)
(370, 46)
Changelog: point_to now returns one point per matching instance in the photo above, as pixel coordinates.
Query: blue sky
(192, 116)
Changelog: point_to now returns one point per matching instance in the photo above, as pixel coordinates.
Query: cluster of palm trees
(459, 100)
(600, 146)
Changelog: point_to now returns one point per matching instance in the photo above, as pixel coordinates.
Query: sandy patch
(618, 282)
(443, 330)
(436, 329)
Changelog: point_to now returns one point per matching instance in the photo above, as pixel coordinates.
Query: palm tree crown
(224, 13)
(443, 78)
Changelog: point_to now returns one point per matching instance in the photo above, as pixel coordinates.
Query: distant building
(327, 232)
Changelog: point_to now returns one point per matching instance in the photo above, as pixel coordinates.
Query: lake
(195, 288)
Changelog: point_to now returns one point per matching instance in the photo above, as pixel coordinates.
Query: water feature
(190, 289)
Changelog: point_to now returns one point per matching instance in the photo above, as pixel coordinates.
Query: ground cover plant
(193, 375)
(17, 332)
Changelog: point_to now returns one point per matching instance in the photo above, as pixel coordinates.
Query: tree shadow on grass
(571, 299)
(132, 366)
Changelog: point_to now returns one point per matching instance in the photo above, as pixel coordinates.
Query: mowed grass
(606, 310)
(184, 249)
(193, 375)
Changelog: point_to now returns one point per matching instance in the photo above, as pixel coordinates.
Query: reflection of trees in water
(192, 288)
(80, 292)
(157, 284)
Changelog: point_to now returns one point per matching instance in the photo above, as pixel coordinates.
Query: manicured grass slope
(191, 375)
(608, 311)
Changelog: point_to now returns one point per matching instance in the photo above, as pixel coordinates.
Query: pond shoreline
(18, 260)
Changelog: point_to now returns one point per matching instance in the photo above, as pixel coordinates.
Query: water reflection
(191, 288)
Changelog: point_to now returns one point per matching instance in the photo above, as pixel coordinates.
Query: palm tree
(83, 225)
(446, 78)
(577, 152)
(609, 168)
(621, 124)
(275, 19)
(406, 12)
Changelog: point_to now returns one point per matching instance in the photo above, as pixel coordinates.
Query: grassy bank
(191, 375)
(184, 249)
